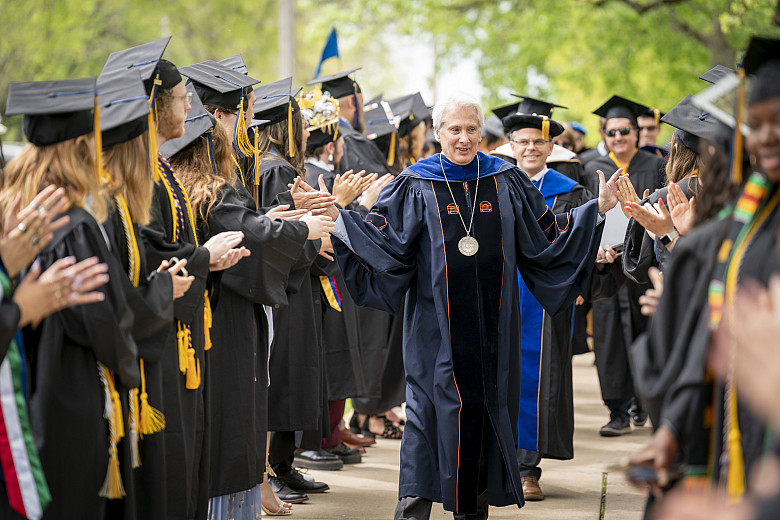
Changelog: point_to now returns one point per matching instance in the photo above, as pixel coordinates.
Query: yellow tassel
(257, 157)
(656, 116)
(290, 128)
(736, 165)
(207, 320)
(193, 370)
(152, 119)
(736, 472)
(132, 426)
(545, 127)
(151, 420)
(391, 153)
(242, 135)
(112, 485)
(181, 336)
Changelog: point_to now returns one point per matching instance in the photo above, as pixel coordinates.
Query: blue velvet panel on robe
(463, 380)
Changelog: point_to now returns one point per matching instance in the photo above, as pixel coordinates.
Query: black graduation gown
(295, 395)
(546, 416)
(640, 252)
(152, 305)
(617, 320)
(186, 419)
(671, 360)
(340, 329)
(238, 359)
(462, 322)
(66, 394)
(360, 153)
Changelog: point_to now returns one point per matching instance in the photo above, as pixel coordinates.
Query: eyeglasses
(523, 143)
(623, 131)
(187, 97)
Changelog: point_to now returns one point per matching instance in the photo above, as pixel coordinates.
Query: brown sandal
(391, 430)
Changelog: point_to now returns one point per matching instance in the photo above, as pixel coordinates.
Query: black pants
(528, 463)
(418, 508)
(281, 452)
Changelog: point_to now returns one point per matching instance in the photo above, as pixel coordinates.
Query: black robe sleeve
(10, 314)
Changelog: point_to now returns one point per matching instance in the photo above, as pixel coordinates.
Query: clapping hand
(348, 186)
(180, 279)
(608, 191)
(682, 210)
(369, 197)
(284, 212)
(222, 254)
(655, 218)
(306, 197)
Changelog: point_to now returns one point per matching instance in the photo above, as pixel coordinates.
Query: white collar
(319, 163)
(539, 176)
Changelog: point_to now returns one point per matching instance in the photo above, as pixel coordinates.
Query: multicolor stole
(188, 364)
(751, 211)
(25, 482)
(143, 418)
(331, 291)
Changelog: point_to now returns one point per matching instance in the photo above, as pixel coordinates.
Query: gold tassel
(257, 158)
(545, 127)
(391, 154)
(207, 317)
(112, 485)
(181, 336)
(290, 128)
(132, 424)
(152, 119)
(736, 165)
(656, 117)
(193, 370)
(151, 420)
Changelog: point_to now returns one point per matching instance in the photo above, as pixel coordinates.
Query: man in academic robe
(425, 239)
(617, 320)
(546, 423)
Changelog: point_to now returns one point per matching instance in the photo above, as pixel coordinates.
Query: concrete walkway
(368, 491)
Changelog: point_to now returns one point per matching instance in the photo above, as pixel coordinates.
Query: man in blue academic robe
(449, 233)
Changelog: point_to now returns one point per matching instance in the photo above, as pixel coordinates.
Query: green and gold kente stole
(749, 213)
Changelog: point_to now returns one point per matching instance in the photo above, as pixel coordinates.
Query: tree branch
(639, 7)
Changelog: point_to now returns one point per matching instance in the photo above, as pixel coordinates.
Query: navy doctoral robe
(462, 317)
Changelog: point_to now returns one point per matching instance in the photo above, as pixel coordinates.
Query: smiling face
(530, 152)
(622, 145)
(763, 142)
(459, 134)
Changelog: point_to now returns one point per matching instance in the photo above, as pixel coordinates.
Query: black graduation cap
(493, 126)
(147, 60)
(548, 127)
(218, 85)
(716, 73)
(54, 111)
(275, 101)
(236, 64)
(621, 107)
(380, 128)
(691, 123)
(372, 103)
(198, 122)
(409, 111)
(762, 59)
(124, 109)
(529, 105)
(504, 110)
(339, 84)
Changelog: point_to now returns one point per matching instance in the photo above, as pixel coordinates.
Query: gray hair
(457, 100)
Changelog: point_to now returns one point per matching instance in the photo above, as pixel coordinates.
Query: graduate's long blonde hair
(69, 164)
(128, 165)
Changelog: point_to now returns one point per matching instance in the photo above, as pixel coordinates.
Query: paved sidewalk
(367, 491)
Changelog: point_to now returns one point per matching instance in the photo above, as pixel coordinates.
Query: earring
(330, 158)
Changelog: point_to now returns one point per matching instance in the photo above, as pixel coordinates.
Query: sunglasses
(623, 131)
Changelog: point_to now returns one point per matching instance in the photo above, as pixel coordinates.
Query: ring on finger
(22, 227)
(41, 210)
(34, 240)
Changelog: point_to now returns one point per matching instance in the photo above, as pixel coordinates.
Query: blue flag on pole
(331, 50)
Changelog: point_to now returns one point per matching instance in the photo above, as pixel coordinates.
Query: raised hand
(220, 244)
(369, 197)
(348, 186)
(306, 197)
(28, 231)
(608, 191)
(682, 210)
(319, 225)
(649, 300)
(284, 212)
(626, 193)
(655, 218)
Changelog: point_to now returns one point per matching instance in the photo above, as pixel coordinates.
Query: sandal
(391, 430)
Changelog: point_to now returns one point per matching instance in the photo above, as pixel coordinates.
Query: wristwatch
(669, 238)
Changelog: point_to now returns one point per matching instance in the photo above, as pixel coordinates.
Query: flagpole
(286, 38)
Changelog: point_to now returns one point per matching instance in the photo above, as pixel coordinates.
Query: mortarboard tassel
(207, 320)
(112, 485)
(656, 117)
(545, 127)
(355, 99)
(736, 153)
(290, 129)
(257, 158)
(240, 133)
(151, 420)
(152, 120)
(391, 153)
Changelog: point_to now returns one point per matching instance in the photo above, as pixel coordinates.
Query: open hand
(284, 212)
(655, 218)
(608, 191)
(369, 197)
(306, 197)
(682, 210)
(626, 193)
(220, 244)
(319, 226)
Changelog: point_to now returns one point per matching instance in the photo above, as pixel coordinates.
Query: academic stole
(25, 483)
(331, 291)
(751, 211)
(188, 365)
(617, 163)
(143, 418)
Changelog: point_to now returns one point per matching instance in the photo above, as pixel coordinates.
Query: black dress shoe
(286, 494)
(617, 425)
(345, 453)
(637, 413)
(296, 482)
(319, 459)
